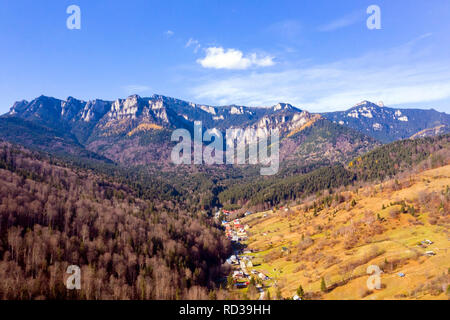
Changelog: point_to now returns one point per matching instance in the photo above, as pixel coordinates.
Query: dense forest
(379, 164)
(388, 160)
(128, 247)
(206, 188)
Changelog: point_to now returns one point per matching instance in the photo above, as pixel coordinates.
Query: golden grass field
(339, 242)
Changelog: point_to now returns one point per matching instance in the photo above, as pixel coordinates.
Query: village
(242, 259)
(250, 270)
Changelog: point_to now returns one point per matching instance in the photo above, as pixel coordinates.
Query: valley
(208, 159)
(92, 183)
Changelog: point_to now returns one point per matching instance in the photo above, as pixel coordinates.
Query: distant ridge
(389, 124)
(136, 130)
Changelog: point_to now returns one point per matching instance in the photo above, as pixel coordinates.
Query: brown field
(380, 225)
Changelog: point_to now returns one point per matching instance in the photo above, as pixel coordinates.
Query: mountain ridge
(389, 124)
(136, 130)
(74, 110)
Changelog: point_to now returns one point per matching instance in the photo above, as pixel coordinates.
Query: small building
(296, 297)
(242, 284)
(262, 276)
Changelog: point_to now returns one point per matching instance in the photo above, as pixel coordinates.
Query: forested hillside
(378, 164)
(326, 247)
(388, 160)
(53, 216)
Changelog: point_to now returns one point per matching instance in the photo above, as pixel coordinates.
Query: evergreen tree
(323, 285)
(300, 291)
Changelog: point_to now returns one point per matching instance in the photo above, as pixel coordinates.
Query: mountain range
(389, 124)
(137, 130)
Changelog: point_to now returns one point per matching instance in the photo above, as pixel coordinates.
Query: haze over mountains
(137, 130)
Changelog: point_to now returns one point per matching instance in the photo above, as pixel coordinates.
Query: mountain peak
(368, 103)
(388, 124)
(70, 98)
(18, 107)
(134, 97)
(284, 106)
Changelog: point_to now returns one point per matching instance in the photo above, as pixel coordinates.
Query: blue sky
(318, 55)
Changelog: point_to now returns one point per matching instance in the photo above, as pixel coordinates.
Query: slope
(326, 243)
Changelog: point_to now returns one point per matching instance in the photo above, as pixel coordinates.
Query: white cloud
(343, 22)
(219, 58)
(169, 33)
(193, 43)
(398, 76)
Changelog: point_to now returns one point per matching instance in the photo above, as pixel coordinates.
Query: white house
(262, 276)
